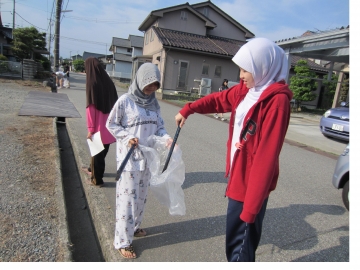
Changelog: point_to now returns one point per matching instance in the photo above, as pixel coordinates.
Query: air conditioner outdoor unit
(205, 87)
(205, 82)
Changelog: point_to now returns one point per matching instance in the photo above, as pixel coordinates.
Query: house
(193, 46)
(105, 59)
(124, 50)
(5, 41)
(332, 46)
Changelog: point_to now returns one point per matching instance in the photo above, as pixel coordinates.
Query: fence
(10, 69)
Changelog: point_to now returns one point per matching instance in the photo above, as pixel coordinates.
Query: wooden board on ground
(51, 104)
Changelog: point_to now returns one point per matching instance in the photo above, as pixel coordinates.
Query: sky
(91, 24)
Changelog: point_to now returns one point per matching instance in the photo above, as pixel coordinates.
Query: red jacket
(255, 168)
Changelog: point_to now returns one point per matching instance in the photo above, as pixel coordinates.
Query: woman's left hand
(89, 135)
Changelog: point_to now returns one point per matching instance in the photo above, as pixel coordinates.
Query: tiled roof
(122, 57)
(96, 55)
(136, 41)
(311, 64)
(192, 42)
(121, 42)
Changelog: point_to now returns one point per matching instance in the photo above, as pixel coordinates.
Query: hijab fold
(148, 73)
(100, 89)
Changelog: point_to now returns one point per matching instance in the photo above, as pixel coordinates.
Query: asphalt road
(305, 218)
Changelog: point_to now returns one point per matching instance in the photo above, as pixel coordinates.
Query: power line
(99, 21)
(64, 9)
(29, 22)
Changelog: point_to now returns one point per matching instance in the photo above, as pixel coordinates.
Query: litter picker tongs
(122, 166)
(171, 148)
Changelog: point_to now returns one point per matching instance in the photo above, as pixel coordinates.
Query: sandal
(140, 233)
(91, 183)
(130, 249)
(86, 170)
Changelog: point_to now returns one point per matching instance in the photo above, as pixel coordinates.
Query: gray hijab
(146, 74)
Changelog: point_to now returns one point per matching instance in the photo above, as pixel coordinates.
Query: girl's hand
(89, 135)
(169, 142)
(133, 141)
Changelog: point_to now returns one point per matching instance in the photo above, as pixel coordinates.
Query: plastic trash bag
(166, 186)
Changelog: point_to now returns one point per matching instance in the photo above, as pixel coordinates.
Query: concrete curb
(60, 199)
(100, 210)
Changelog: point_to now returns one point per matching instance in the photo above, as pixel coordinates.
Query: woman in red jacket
(260, 113)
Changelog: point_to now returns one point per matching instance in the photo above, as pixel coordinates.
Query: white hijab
(267, 63)
(265, 60)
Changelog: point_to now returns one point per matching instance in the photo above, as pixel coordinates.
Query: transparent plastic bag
(166, 186)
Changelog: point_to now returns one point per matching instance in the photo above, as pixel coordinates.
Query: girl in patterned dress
(134, 117)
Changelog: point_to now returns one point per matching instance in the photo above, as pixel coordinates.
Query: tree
(79, 65)
(28, 39)
(302, 84)
(330, 88)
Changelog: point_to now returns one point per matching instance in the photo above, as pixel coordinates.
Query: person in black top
(67, 70)
(223, 87)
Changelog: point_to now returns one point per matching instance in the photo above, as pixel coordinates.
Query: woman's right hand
(180, 120)
(133, 141)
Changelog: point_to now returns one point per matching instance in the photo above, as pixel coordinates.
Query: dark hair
(225, 81)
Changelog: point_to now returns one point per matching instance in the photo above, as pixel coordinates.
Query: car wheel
(345, 195)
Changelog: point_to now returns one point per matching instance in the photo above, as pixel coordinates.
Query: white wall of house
(123, 67)
(153, 46)
(123, 50)
(137, 51)
(192, 24)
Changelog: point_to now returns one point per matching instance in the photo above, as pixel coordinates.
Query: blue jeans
(242, 239)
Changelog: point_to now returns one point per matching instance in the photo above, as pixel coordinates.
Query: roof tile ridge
(217, 45)
(163, 35)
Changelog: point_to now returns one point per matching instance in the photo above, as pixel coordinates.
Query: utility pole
(13, 20)
(57, 35)
(50, 42)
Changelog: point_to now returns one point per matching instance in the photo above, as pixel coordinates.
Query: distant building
(5, 41)
(124, 50)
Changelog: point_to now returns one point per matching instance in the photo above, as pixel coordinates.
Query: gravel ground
(32, 212)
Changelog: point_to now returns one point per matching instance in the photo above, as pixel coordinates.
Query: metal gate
(10, 69)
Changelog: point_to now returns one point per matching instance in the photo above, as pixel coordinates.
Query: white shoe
(223, 119)
(216, 116)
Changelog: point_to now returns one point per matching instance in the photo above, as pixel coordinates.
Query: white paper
(96, 145)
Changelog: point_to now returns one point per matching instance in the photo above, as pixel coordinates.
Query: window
(217, 71)
(206, 12)
(151, 35)
(146, 38)
(129, 50)
(183, 16)
(205, 69)
(183, 74)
